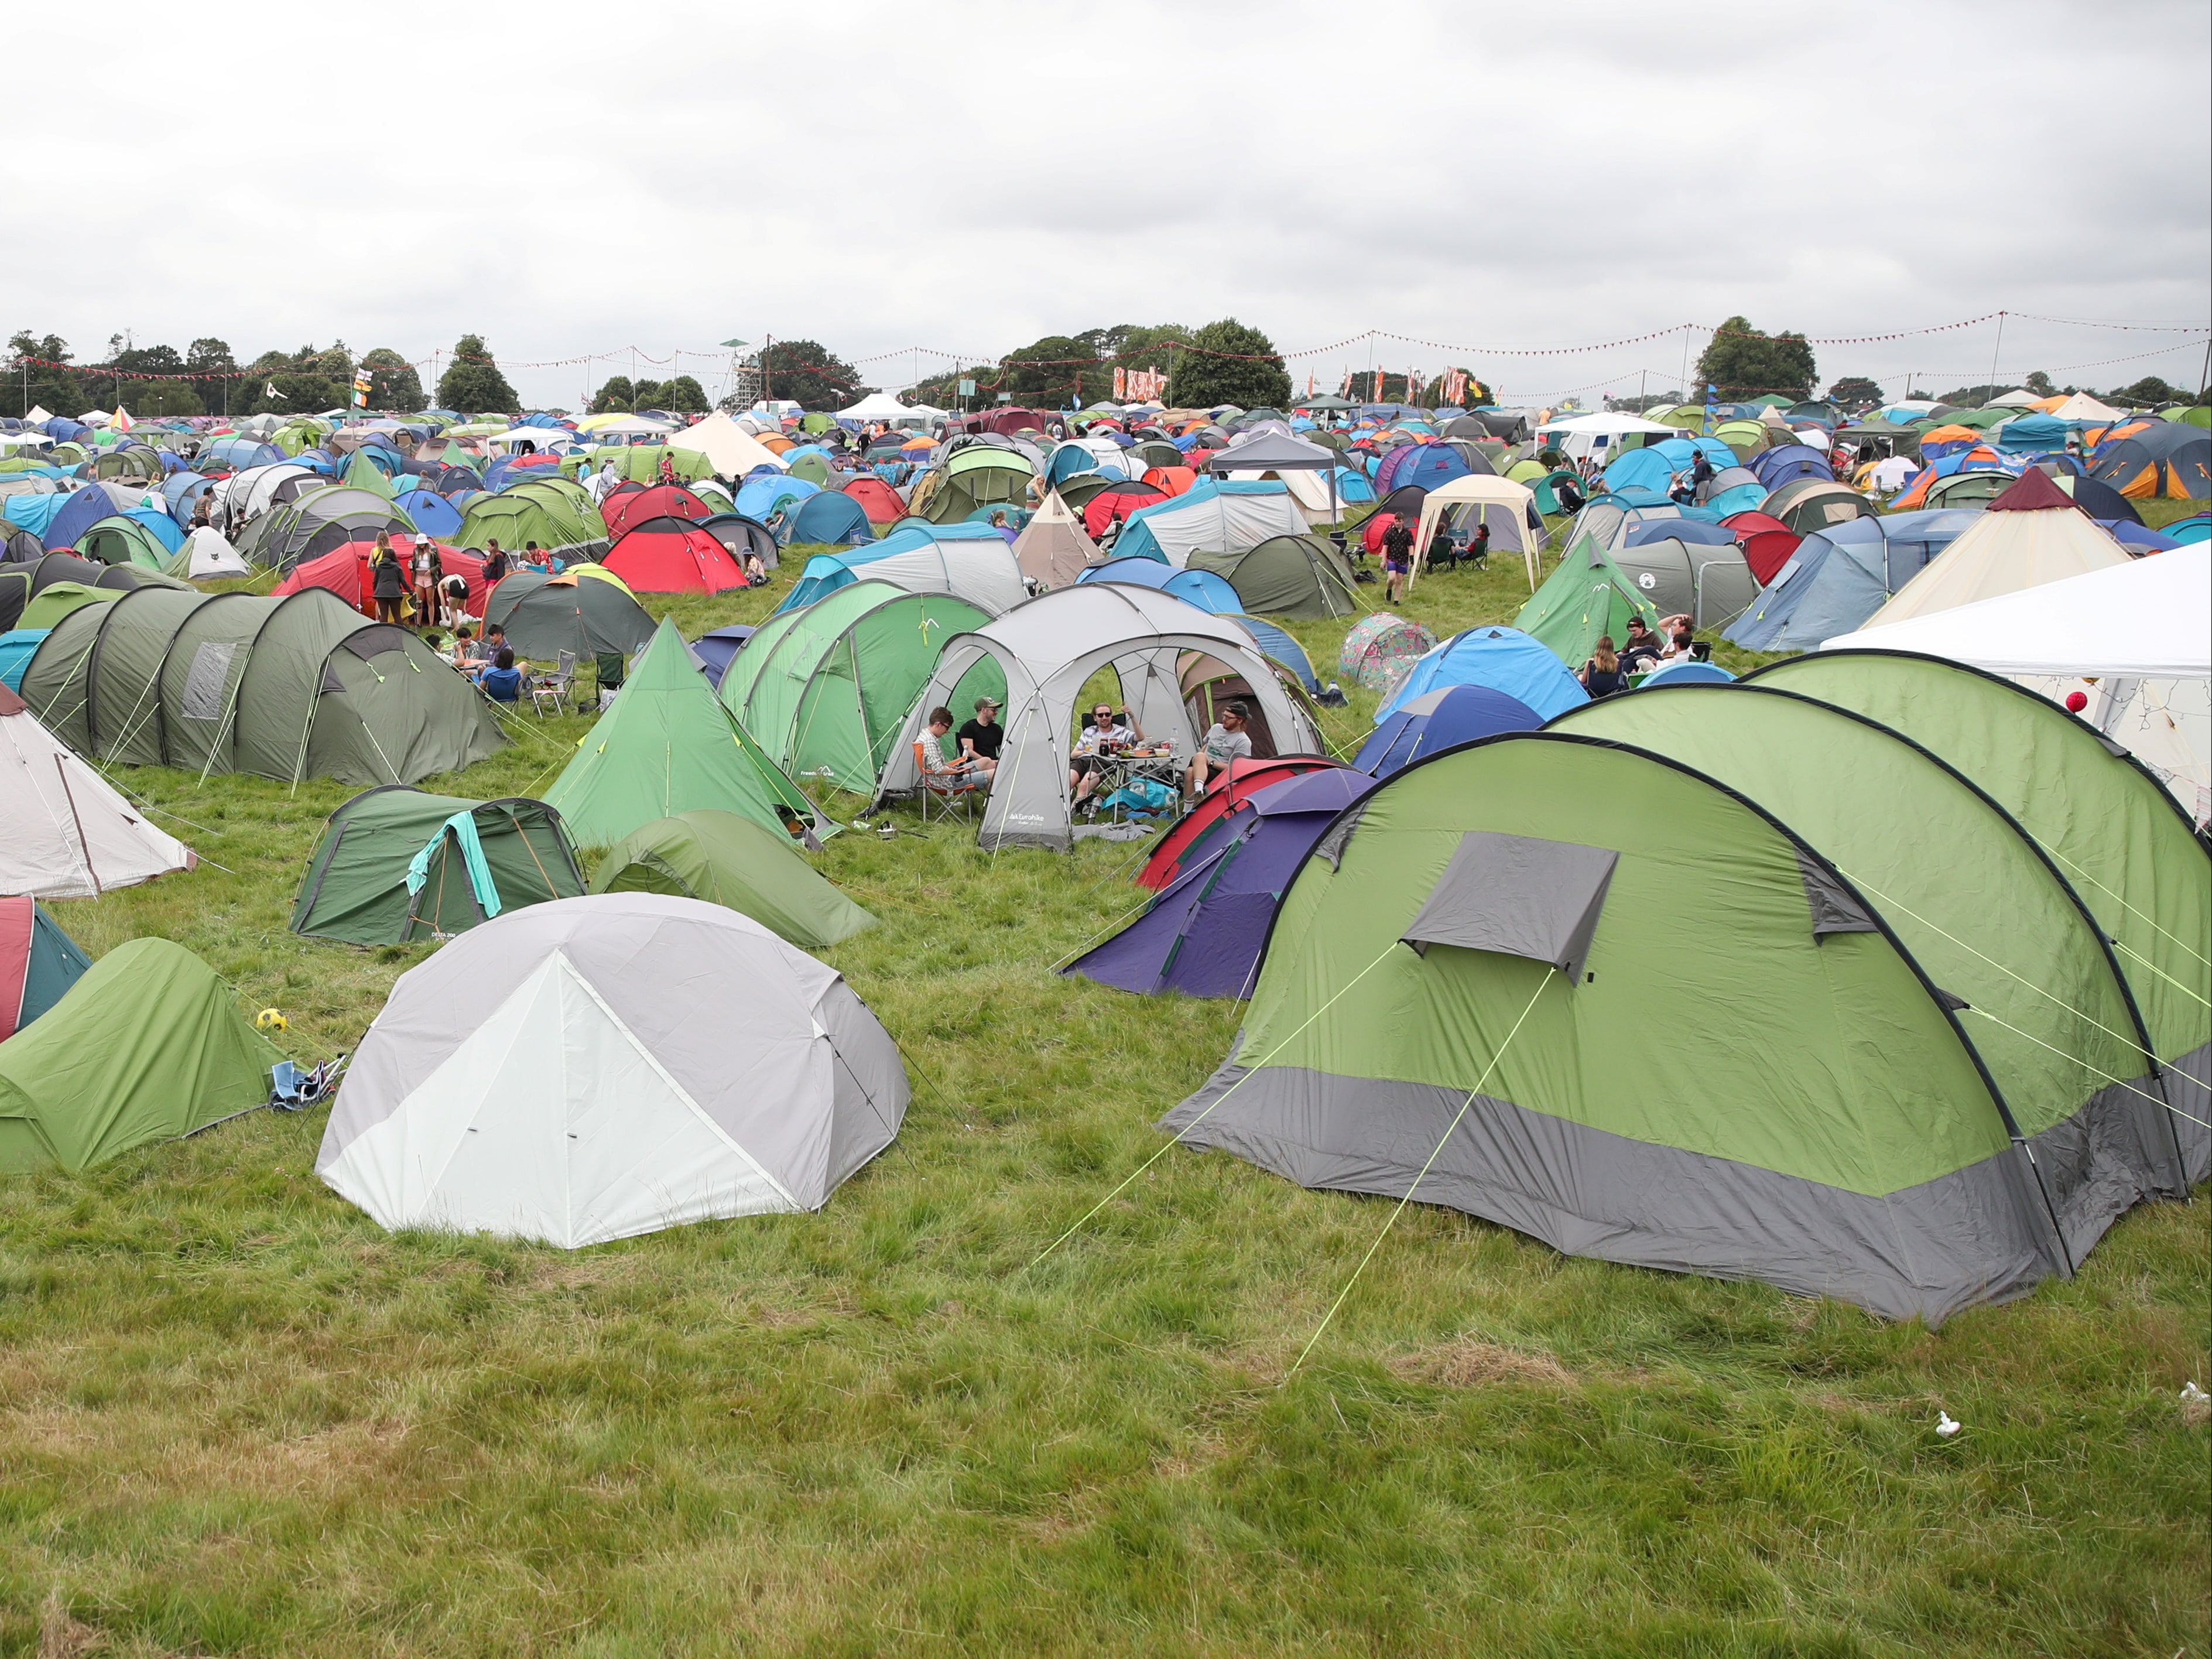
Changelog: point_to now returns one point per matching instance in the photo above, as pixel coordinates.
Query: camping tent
(827, 519)
(971, 560)
(666, 746)
(1504, 659)
(1301, 576)
(1436, 720)
(1586, 598)
(1200, 587)
(882, 503)
(725, 447)
(1054, 548)
(147, 1046)
(206, 556)
(67, 832)
(2149, 458)
(545, 616)
(1189, 836)
(1380, 650)
(538, 511)
(826, 688)
(395, 864)
(607, 1067)
(630, 505)
(1683, 575)
(1508, 508)
(38, 963)
(1809, 504)
(714, 649)
(1213, 515)
(1464, 970)
(672, 556)
(318, 521)
(1047, 647)
(720, 858)
(1836, 579)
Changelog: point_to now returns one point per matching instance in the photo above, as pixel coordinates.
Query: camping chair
(554, 688)
(948, 790)
(611, 670)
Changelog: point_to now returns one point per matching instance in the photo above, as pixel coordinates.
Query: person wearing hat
(430, 571)
(980, 737)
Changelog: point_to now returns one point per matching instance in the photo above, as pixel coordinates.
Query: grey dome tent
(319, 522)
(1300, 576)
(543, 616)
(1711, 584)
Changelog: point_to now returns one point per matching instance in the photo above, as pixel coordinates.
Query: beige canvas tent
(729, 449)
(2031, 534)
(1506, 506)
(1052, 548)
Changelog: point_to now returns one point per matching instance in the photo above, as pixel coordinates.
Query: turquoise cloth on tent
(463, 828)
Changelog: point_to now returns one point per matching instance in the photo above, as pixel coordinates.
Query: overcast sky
(968, 176)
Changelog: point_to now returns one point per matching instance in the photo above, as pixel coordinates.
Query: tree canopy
(1231, 364)
(474, 385)
(1855, 392)
(807, 373)
(393, 383)
(1743, 363)
(615, 396)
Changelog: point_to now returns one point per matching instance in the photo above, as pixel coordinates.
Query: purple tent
(1204, 933)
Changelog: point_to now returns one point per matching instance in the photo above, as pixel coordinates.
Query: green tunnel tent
(1463, 965)
(120, 540)
(829, 685)
(290, 688)
(320, 521)
(667, 746)
(540, 512)
(723, 859)
(1298, 576)
(1587, 597)
(149, 1045)
(2107, 823)
(545, 616)
(361, 885)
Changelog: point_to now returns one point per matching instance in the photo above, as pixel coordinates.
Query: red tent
(1116, 503)
(344, 571)
(668, 555)
(1224, 792)
(1174, 480)
(625, 507)
(1370, 533)
(877, 498)
(1767, 542)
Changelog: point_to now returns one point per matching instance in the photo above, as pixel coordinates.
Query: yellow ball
(269, 1020)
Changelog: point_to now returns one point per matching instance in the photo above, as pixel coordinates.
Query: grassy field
(237, 1416)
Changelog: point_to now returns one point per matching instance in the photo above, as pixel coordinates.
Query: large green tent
(320, 521)
(827, 687)
(485, 858)
(641, 463)
(666, 746)
(1298, 576)
(538, 511)
(724, 858)
(1818, 1079)
(148, 1046)
(545, 616)
(1585, 598)
(121, 540)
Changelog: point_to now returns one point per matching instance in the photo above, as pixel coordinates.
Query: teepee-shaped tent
(668, 747)
(1054, 548)
(64, 832)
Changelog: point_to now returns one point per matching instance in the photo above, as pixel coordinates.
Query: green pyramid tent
(148, 1046)
(362, 473)
(1585, 597)
(667, 746)
(726, 859)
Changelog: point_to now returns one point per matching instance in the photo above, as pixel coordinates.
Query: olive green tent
(641, 463)
(1917, 1081)
(540, 511)
(148, 1046)
(57, 599)
(120, 540)
(724, 858)
(545, 614)
(484, 859)
(320, 521)
(1585, 598)
(1298, 576)
(300, 686)
(666, 747)
(826, 688)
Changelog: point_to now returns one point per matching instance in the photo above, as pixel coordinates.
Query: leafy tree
(1972, 397)
(684, 396)
(474, 385)
(1855, 392)
(159, 399)
(615, 396)
(1046, 372)
(393, 383)
(647, 394)
(806, 372)
(1229, 364)
(32, 384)
(2149, 392)
(1744, 363)
(210, 359)
(2039, 384)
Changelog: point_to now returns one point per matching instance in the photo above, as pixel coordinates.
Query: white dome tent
(596, 1068)
(64, 832)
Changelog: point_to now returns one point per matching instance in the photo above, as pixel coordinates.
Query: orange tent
(1173, 480)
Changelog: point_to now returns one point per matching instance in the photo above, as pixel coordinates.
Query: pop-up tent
(672, 556)
(1213, 515)
(545, 616)
(1837, 578)
(1504, 659)
(1054, 548)
(148, 1045)
(38, 963)
(1436, 720)
(64, 831)
(722, 858)
(607, 1067)
(1587, 598)
(971, 561)
(395, 864)
(1299, 576)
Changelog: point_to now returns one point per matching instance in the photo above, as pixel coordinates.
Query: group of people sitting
(1609, 667)
(1109, 733)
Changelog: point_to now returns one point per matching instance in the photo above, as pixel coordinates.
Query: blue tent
(1778, 466)
(1353, 486)
(1687, 671)
(1680, 452)
(1439, 719)
(1281, 646)
(1200, 587)
(1069, 459)
(829, 518)
(1504, 659)
(1742, 498)
(2132, 534)
(16, 649)
(718, 648)
(761, 496)
(1426, 464)
(434, 515)
(1840, 576)
(1647, 469)
(2030, 433)
(164, 526)
(73, 515)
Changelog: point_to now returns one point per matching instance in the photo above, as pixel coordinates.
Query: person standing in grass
(1397, 559)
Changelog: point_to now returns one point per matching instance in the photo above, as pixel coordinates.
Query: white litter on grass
(1946, 1425)
(2191, 1393)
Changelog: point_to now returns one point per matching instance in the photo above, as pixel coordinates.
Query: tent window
(1518, 895)
(203, 683)
(375, 641)
(1836, 909)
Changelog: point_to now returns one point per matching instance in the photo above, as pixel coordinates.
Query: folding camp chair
(948, 791)
(554, 688)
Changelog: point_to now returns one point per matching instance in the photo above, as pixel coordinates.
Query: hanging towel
(463, 826)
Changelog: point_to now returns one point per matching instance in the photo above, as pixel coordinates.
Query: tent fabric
(1508, 509)
(39, 963)
(1519, 896)
(1809, 504)
(1436, 720)
(673, 556)
(1586, 598)
(68, 834)
(545, 616)
(17, 647)
(1054, 548)
(1504, 659)
(146, 1045)
(206, 556)
(717, 648)
(1279, 647)
(1836, 579)
(1203, 826)
(626, 508)
(2005, 549)
(1213, 515)
(826, 690)
(1853, 1141)
(667, 746)
(720, 858)
(1301, 576)
(725, 447)
(826, 520)
(581, 1071)
(1194, 587)
(348, 572)
(1380, 650)
(1767, 542)
(1047, 647)
(970, 562)
(358, 888)
(1711, 585)
(882, 503)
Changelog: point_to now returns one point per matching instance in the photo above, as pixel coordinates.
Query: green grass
(237, 1416)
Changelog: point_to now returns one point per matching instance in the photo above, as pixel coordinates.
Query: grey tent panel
(1520, 895)
(1835, 909)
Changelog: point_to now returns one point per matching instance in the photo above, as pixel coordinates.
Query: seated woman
(502, 681)
(1602, 675)
(1104, 736)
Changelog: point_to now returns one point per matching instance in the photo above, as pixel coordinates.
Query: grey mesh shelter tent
(1047, 647)
(1460, 962)
(610, 1066)
(478, 858)
(318, 522)
(1300, 576)
(301, 686)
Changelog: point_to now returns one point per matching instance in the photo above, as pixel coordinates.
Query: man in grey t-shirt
(1225, 740)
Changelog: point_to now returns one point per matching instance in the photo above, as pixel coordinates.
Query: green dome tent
(57, 599)
(1586, 596)
(147, 1046)
(541, 511)
(666, 747)
(827, 687)
(361, 886)
(1298, 576)
(545, 614)
(320, 521)
(641, 463)
(120, 540)
(723, 859)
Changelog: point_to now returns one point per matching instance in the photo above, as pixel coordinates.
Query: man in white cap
(428, 570)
